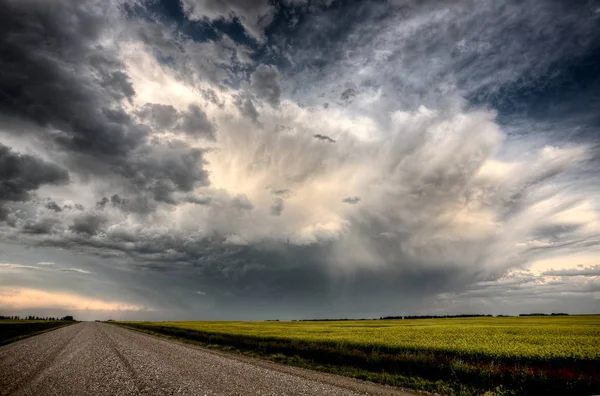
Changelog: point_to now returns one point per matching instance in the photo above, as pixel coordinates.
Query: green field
(14, 330)
(516, 355)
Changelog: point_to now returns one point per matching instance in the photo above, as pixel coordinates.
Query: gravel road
(103, 359)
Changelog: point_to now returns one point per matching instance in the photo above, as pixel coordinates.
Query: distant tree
(69, 318)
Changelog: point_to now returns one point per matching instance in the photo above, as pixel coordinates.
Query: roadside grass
(566, 364)
(15, 330)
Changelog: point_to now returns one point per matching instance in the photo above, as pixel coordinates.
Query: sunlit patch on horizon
(24, 298)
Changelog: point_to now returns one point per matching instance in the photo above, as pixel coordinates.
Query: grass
(466, 356)
(15, 330)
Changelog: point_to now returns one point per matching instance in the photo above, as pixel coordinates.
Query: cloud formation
(324, 138)
(351, 200)
(323, 167)
(254, 15)
(587, 271)
(264, 82)
(20, 174)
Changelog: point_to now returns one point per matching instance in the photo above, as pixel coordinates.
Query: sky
(290, 159)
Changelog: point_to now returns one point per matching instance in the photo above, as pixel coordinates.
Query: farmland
(508, 355)
(14, 330)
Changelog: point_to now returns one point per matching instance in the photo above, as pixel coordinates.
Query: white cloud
(17, 266)
(78, 270)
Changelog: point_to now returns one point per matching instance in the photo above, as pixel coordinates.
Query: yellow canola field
(540, 338)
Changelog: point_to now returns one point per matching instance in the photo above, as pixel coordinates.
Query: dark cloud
(119, 85)
(256, 274)
(63, 58)
(195, 123)
(58, 75)
(159, 116)
(164, 171)
(211, 96)
(247, 108)
(102, 203)
(264, 83)
(284, 192)
(89, 224)
(351, 200)
(348, 94)
(277, 207)
(323, 138)
(139, 204)
(116, 200)
(44, 225)
(199, 200)
(20, 174)
(53, 206)
(3, 213)
(242, 202)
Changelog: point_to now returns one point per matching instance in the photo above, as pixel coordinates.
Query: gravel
(102, 359)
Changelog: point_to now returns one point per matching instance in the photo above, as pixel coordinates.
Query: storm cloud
(59, 58)
(20, 174)
(299, 159)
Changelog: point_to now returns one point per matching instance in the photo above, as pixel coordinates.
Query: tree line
(544, 314)
(408, 317)
(436, 316)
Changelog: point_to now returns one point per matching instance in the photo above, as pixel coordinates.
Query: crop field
(14, 330)
(506, 355)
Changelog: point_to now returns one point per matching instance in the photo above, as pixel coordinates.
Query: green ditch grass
(15, 330)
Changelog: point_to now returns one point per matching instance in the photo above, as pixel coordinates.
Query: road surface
(103, 359)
